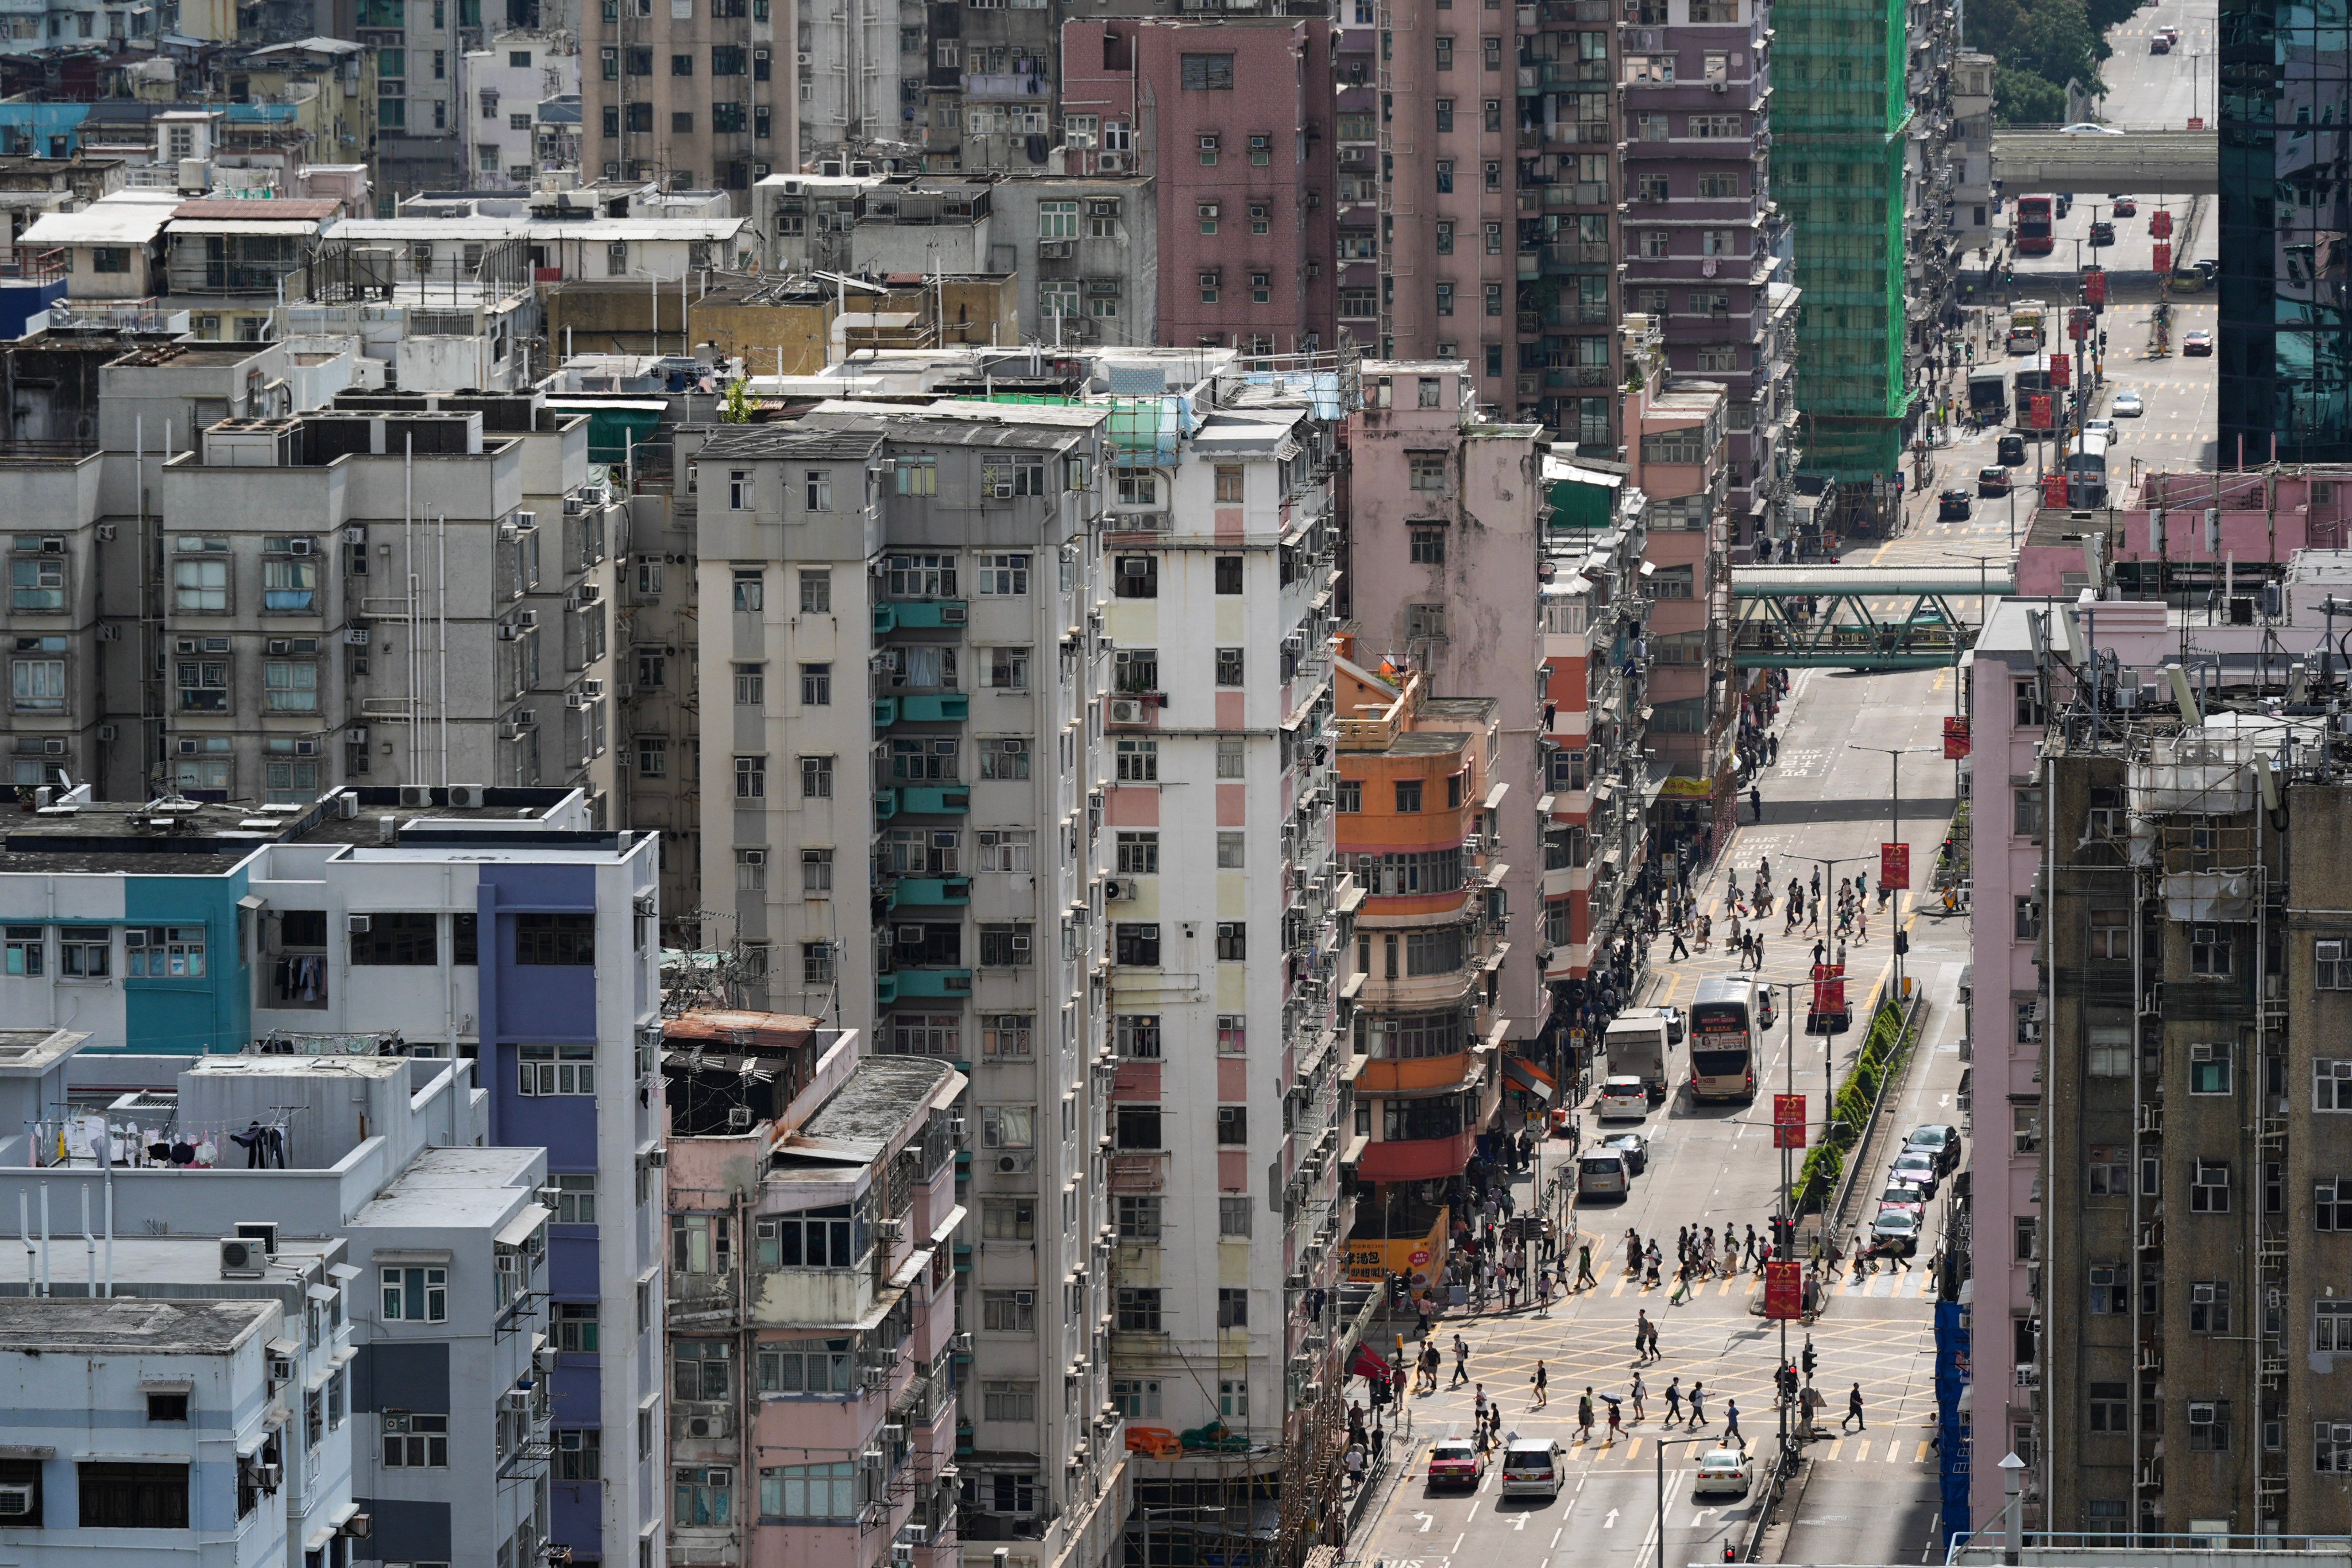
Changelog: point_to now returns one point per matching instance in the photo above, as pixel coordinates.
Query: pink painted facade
(2263, 519)
(824, 1391)
(1232, 120)
(1446, 537)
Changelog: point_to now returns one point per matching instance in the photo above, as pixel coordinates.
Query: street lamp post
(1894, 756)
(1829, 1050)
(1663, 1444)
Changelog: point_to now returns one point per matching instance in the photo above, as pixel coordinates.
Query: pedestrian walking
(1674, 1400)
(1682, 1285)
(1461, 1362)
(1698, 1405)
(1543, 1294)
(1616, 1415)
(1584, 1266)
(1633, 1251)
(1379, 1441)
(1646, 1334)
(1639, 1393)
(1854, 1410)
(1478, 1402)
(1756, 802)
(1650, 1280)
(1755, 1251)
(1730, 1422)
(1584, 1416)
(1681, 948)
(1542, 1380)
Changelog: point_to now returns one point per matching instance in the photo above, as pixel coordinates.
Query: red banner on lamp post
(1956, 739)
(1788, 1122)
(1894, 867)
(1784, 1290)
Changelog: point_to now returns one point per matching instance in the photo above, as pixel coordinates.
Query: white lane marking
(1555, 1539)
(1426, 1521)
(1609, 1521)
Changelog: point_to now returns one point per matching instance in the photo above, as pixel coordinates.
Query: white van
(1636, 1046)
(1601, 1175)
(1532, 1467)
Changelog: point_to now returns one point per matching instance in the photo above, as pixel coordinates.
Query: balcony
(1416, 1158)
(922, 800)
(928, 615)
(909, 984)
(935, 708)
(1139, 1171)
(886, 712)
(918, 892)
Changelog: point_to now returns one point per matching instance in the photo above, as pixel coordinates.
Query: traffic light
(1902, 944)
(1811, 1360)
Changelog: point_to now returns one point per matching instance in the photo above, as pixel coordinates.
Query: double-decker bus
(1725, 1019)
(2087, 470)
(2030, 226)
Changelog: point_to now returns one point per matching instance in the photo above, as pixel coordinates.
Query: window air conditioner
(15, 1501)
(2201, 1412)
(356, 924)
(299, 547)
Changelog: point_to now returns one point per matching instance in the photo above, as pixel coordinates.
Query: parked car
(1622, 1095)
(1992, 481)
(2126, 207)
(1633, 1147)
(2102, 233)
(1532, 1467)
(1938, 1138)
(2126, 404)
(2088, 127)
(1905, 1196)
(1673, 1016)
(1920, 1166)
(1723, 1472)
(2197, 344)
(1455, 1462)
(2009, 451)
(1602, 1174)
(1896, 1231)
(1954, 506)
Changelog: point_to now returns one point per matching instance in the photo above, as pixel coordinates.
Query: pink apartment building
(1233, 118)
(811, 1285)
(1676, 444)
(1445, 525)
(2157, 540)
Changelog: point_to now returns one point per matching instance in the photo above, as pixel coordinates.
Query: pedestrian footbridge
(2027, 159)
(1858, 617)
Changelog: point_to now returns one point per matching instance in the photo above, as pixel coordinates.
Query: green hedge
(1818, 1177)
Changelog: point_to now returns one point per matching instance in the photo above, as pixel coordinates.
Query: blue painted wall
(26, 128)
(193, 1015)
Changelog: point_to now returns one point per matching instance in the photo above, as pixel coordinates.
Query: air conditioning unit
(874, 1377)
(415, 795)
(509, 632)
(356, 637)
(269, 1478)
(803, 58)
(53, 748)
(54, 544)
(16, 1500)
(356, 735)
(108, 732)
(357, 925)
(1110, 163)
(509, 531)
(795, 188)
(1019, 1165)
(106, 532)
(591, 690)
(525, 618)
(2200, 1295)
(299, 547)
(1115, 889)
(706, 1425)
(1055, 250)
(1719, 88)
(2201, 1412)
(466, 796)
(281, 1369)
(953, 615)
(1127, 711)
(280, 645)
(2337, 1432)
(574, 699)
(738, 1118)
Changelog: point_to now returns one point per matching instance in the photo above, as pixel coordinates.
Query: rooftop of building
(453, 1188)
(793, 442)
(189, 354)
(62, 1326)
(150, 1266)
(206, 210)
(29, 1053)
(880, 1097)
(953, 423)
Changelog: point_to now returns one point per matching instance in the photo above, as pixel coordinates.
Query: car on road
(2126, 404)
(2009, 451)
(2158, 44)
(1723, 1472)
(2065, 203)
(1455, 1462)
(2100, 427)
(2170, 34)
(1953, 506)
(1940, 1139)
(1920, 1166)
(2126, 207)
(2088, 127)
(1905, 1196)
(1633, 1147)
(1992, 480)
(2102, 233)
(1896, 1231)
(2198, 343)
(1622, 1095)
(1674, 1017)
(1602, 1174)
(1533, 1466)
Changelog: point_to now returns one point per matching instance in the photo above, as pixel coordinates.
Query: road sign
(1894, 866)
(1784, 1290)
(2163, 264)
(1956, 739)
(1788, 1122)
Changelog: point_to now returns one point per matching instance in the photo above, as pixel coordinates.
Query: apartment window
(1445, 53)
(1228, 483)
(1229, 667)
(2209, 1068)
(1445, 299)
(2109, 1049)
(1138, 1219)
(2209, 1427)
(1232, 1398)
(803, 1366)
(1009, 1311)
(579, 1454)
(203, 685)
(1231, 757)
(290, 686)
(1007, 1037)
(575, 1202)
(415, 1295)
(1425, 470)
(817, 592)
(84, 953)
(2032, 713)
(2025, 1238)
(1137, 761)
(1005, 1400)
(1208, 73)
(398, 938)
(2110, 934)
(161, 952)
(703, 1496)
(1008, 669)
(816, 873)
(1233, 1034)
(816, 686)
(1230, 850)
(556, 939)
(2208, 1306)
(289, 586)
(2331, 1083)
(1233, 941)
(133, 1496)
(2026, 813)
(748, 597)
(1137, 1309)
(1138, 853)
(2331, 1327)
(816, 778)
(2331, 1447)
(1136, 1035)
(2332, 1204)
(35, 586)
(1425, 622)
(2209, 952)
(1232, 1307)
(1004, 759)
(575, 1323)
(2210, 1193)
(1002, 575)
(1232, 1124)
(1350, 796)
(1135, 577)
(2109, 1409)
(2108, 1295)
(1137, 1399)
(1137, 943)
(1233, 1217)
(556, 1069)
(1008, 1220)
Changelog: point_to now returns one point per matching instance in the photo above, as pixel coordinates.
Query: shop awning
(1525, 1076)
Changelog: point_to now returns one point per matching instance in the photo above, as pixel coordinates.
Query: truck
(1637, 1046)
(2025, 327)
(1988, 395)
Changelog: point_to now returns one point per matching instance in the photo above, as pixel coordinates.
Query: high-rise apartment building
(1446, 517)
(2158, 1002)
(2285, 346)
(1699, 261)
(1232, 120)
(695, 95)
(417, 50)
(1838, 144)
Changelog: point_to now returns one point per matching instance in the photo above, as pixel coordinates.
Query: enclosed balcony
(910, 892)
